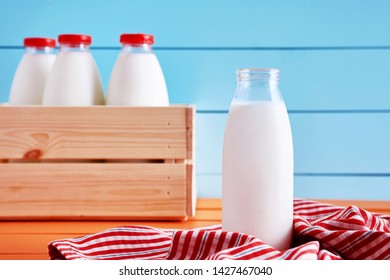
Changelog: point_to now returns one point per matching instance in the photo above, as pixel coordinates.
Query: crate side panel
(92, 191)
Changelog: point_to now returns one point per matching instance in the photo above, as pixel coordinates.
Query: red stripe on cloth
(175, 245)
(209, 240)
(221, 241)
(197, 245)
(321, 231)
(233, 239)
(375, 251)
(185, 246)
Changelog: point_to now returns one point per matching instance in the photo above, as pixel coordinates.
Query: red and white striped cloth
(321, 231)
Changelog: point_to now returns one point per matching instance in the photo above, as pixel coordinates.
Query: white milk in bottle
(257, 167)
(137, 78)
(74, 79)
(30, 77)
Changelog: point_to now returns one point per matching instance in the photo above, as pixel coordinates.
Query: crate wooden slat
(111, 132)
(97, 163)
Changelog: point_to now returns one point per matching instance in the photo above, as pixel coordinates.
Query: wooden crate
(97, 162)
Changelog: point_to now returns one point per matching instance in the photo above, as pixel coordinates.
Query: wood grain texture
(97, 162)
(92, 191)
(192, 190)
(100, 132)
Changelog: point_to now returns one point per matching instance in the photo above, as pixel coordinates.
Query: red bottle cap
(39, 42)
(75, 39)
(137, 39)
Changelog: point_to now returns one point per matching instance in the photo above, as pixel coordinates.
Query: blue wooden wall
(334, 58)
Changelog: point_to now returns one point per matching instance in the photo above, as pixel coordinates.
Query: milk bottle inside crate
(257, 165)
(32, 72)
(74, 79)
(137, 78)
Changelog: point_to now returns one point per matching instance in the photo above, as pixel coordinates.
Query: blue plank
(356, 143)
(316, 187)
(310, 80)
(209, 186)
(204, 23)
(323, 143)
(328, 187)
(209, 140)
(316, 80)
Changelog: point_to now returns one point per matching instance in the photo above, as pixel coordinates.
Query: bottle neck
(257, 84)
(74, 48)
(139, 48)
(40, 50)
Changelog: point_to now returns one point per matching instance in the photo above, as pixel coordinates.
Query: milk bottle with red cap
(74, 79)
(137, 78)
(30, 77)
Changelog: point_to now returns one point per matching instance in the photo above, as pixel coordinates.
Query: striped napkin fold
(321, 231)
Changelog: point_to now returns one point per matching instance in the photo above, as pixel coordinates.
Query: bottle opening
(261, 74)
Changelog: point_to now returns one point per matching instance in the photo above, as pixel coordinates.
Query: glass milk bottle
(257, 164)
(32, 72)
(74, 79)
(137, 78)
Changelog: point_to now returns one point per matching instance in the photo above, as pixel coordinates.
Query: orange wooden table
(28, 240)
